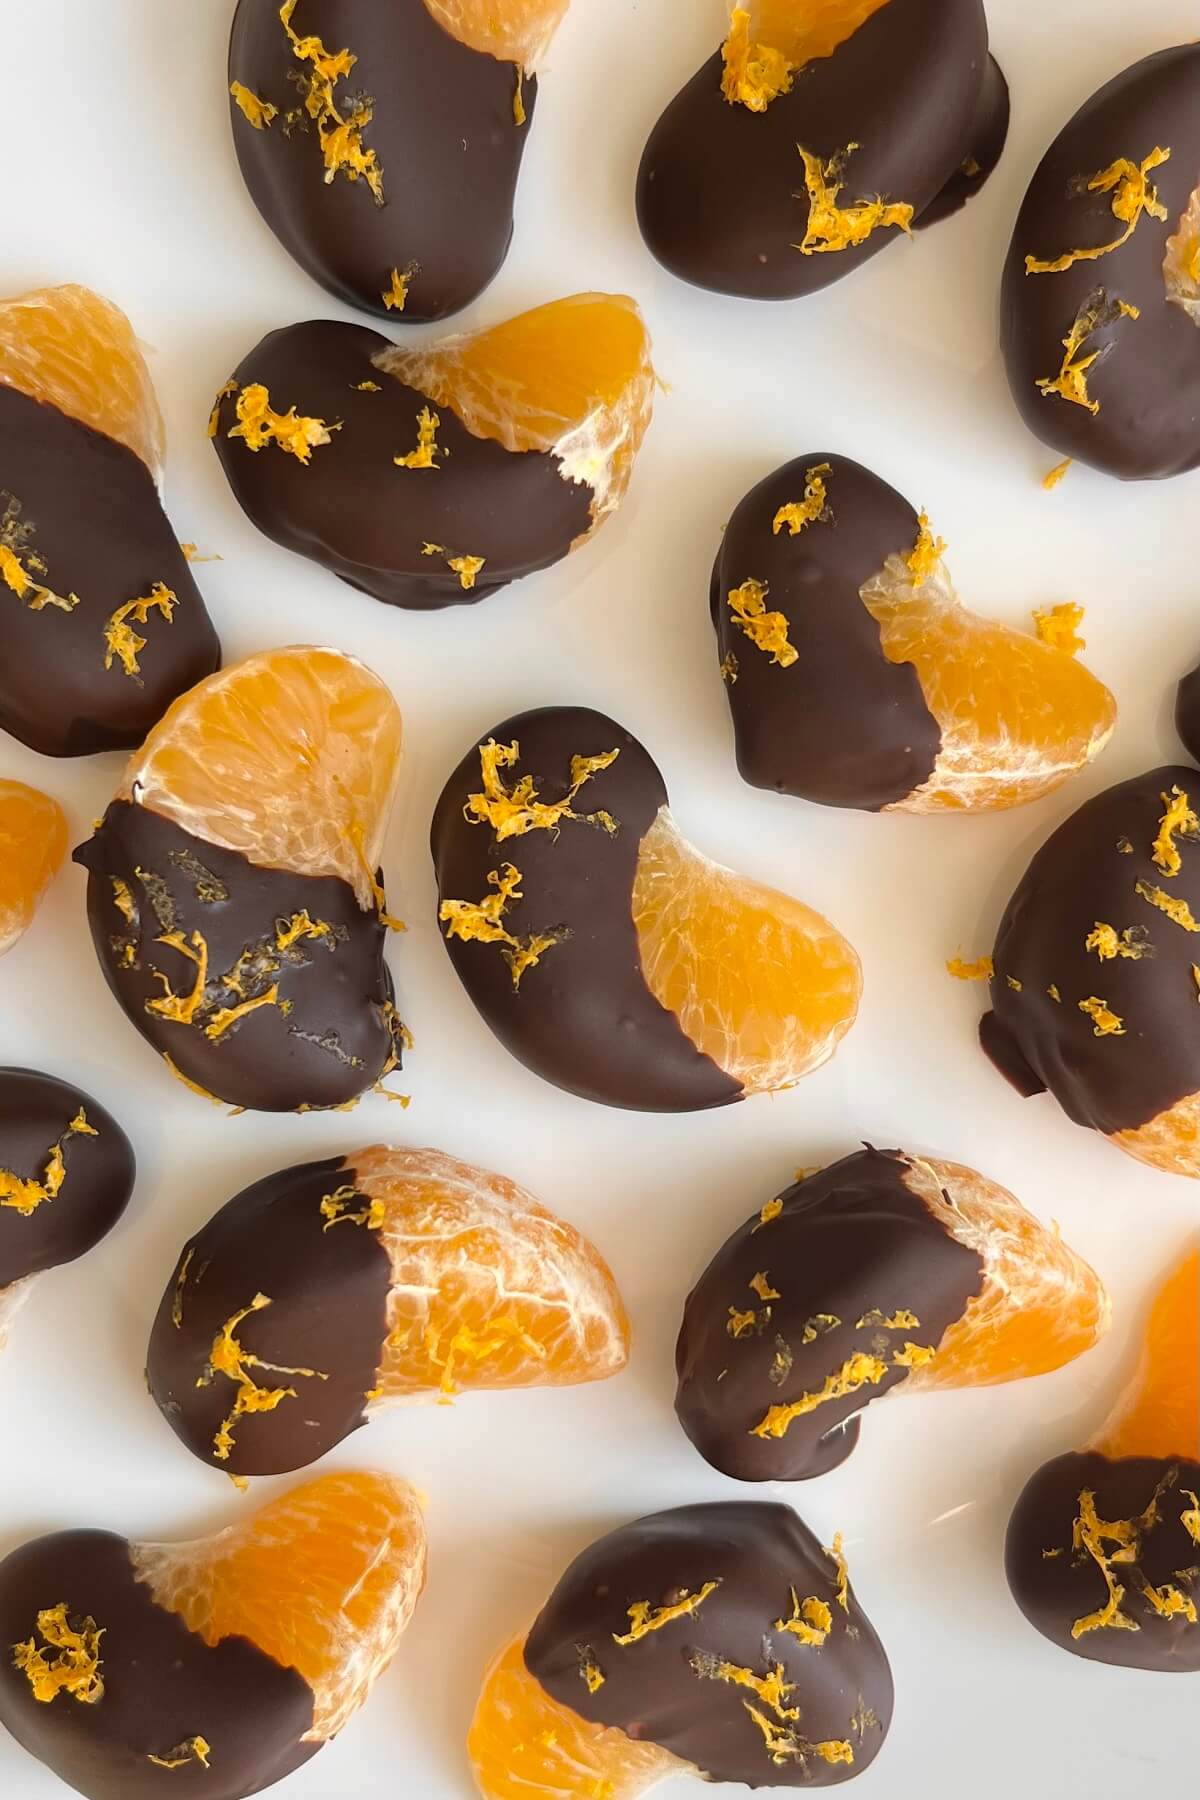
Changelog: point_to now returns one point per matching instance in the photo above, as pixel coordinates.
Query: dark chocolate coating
(583, 1017)
(163, 1685)
(989, 134)
(444, 131)
(656, 1689)
(1054, 1591)
(721, 196)
(88, 508)
(328, 1285)
(35, 1114)
(842, 725)
(1077, 879)
(1148, 377)
(1187, 713)
(353, 511)
(335, 1040)
(852, 1241)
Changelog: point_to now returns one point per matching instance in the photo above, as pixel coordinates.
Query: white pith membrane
(1182, 266)
(12, 1299)
(358, 1645)
(453, 1233)
(1170, 1141)
(518, 31)
(712, 942)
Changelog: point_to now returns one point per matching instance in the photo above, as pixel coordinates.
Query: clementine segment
(516, 31)
(33, 842)
(770, 39)
(1171, 1141)
(1159, 1413)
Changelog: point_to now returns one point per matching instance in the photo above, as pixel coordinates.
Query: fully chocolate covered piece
(1101, 299)
(264, 988)
(66, 1173)
(776, 203)
(811, 1310)
(837, 723)
(391, 531)
(725, 1634)
(163, 1710)
(580, 1014)
(382, 153)
(111, 626)
(1094, 994)
(1103, 1558)
(270, 1280)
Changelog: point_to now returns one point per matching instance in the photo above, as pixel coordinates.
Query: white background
(120, 174)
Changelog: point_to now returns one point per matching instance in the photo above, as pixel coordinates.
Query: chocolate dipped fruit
(817, 135)
(1101, 296)
(856, 677)
(717, 1640)
(1096, 970)
(607, 954)
(33, 844)
(330, 1291)
(234, 891)
(883, 1270)
(104, 624)
(431, 477)
(382, 144)
(215, 1667)
(66, 1175)
(1103, 1550)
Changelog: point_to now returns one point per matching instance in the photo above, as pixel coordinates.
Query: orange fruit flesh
(489, 1289)
(815, 28)
(1040, 1306)
(1182, 266)
(1171, 1141)
(290, 757)
(1159, 1413)
(525, 1746)
(573, 378)
(74, 350)
(324, 1580)
(1017, 716)
(759, 982)
(33, 843)
(516, 31)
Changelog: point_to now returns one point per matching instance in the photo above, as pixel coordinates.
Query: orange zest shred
(782, 1744)
(769, 1213)
(511, 812)
(812, 509)
(122, 643)
(1058, 626)
(15, 576)
(423, 457)
(465, 567)
(811, 1620)
(901, 1320)
(501, 1332)
(1097, 313)
(24, 1196)
(395, 297)
(256, 110)
(335, 1209)
(858, 1371)
(481, 922)
(1090, 1534)
(729, 668)
(1179, 818)
(193, 1749)
(760, 1285)
(180, 1285)
(339, 134)
(772, 1689)
(76, 1668)
(767, 631)
(754, 74)
(644, 1618)
(834, 227)
(1108, 943)
(229, 1358)
(258, 425)
(982, 969)
(1059, 472)
(519, 114)
(181, 1009)
(1178, 911)
(1133, 195)
(1105, 1022)
(925, 555)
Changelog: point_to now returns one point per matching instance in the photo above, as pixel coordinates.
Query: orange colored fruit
(769, 40)
(762, 984)
(290, 758)
(1171, 1141)
(512, 30)
(1159, 1413)
(525, 1746)
(324, 1580)
(33, 842)
(489, 1289)
(74, 350)
(573, 378)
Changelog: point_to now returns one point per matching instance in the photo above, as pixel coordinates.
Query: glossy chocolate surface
(37, 1113)
(1187, 713)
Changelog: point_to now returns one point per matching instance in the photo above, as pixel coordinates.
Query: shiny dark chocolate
(1187, 713)
(1088, 874)
(841, 725)
(352, 510)
(163, 1685)
(82, 514)
(327, 1277)
(1055, 1559)
(721, 194)
(989, 134)
(444, 131)
(744, 1566)
(329, 1034)
(583, 1017)
(38, 1115)
(853, 1257)
(1146, 379)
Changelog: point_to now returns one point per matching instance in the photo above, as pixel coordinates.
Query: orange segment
(1170, 1141)
(74, 350)
(489, 1289)
(525, 1746)
(516, 31)
(573, 378)
(1017, 716)
(324, 1580)
(1159, 1413)
(1182, 266)
(33, 842)
(770, 39)
(290, 757)
(1040, 1305)
(759, 982)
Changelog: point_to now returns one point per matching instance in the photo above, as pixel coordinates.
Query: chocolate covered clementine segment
(33, 843)
(880, 1270)
(605, 952)
(328, 1291)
